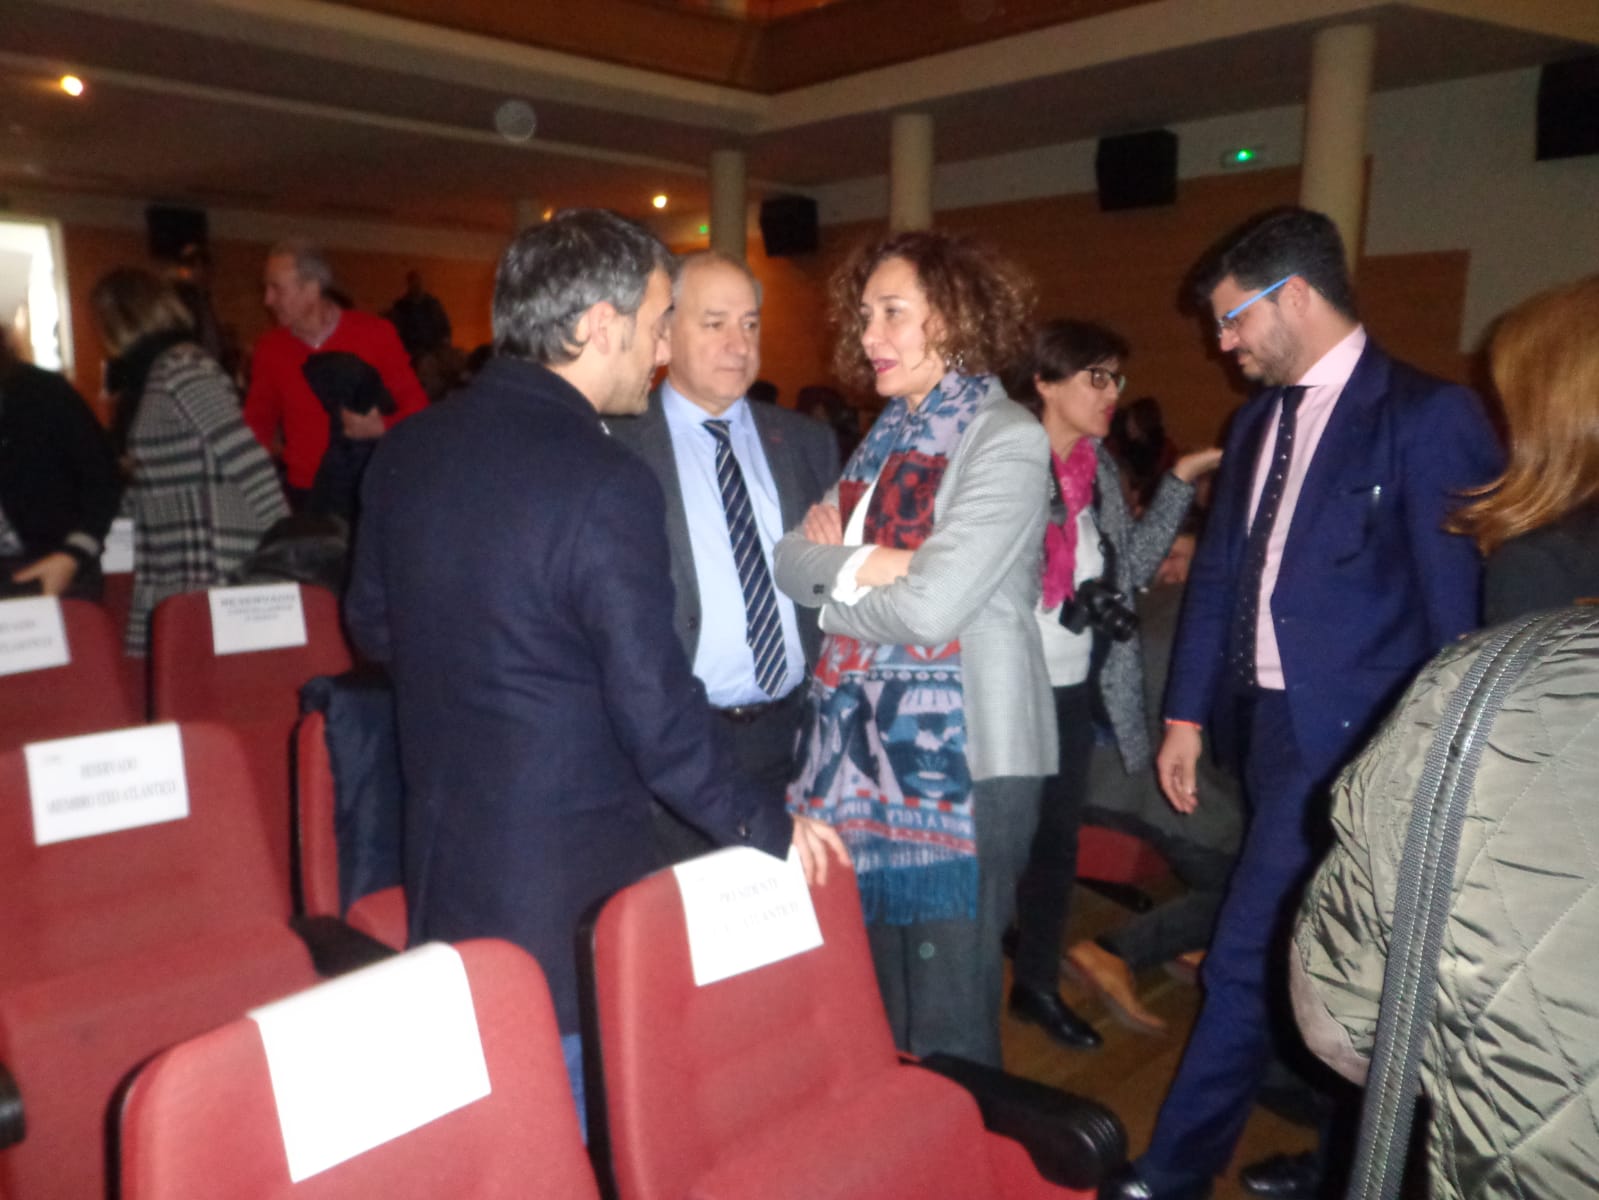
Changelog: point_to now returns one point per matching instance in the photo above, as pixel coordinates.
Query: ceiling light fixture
(515, 121)
(660, 200)
(72, 85)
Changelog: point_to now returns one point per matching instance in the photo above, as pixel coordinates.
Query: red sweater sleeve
(263, 405)
(394, 366)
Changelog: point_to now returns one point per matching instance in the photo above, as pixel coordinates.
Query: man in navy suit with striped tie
(1324, 580)
(736, 475)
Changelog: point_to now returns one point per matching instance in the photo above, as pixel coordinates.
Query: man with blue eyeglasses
(1325, 579)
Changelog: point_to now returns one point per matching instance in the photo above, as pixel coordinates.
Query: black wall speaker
(171, 228)
(1568, 108)
(1136, 170)
(788, 225)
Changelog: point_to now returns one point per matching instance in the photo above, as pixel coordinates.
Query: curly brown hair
(984, 302)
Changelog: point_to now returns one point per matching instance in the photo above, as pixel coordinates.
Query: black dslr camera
(1100, 606)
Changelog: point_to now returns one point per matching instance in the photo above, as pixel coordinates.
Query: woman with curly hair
(931, 727)
(1538, 523)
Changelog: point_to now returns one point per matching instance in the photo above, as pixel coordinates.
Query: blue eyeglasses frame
(1228, 321)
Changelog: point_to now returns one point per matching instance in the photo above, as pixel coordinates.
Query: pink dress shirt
(1324, 383)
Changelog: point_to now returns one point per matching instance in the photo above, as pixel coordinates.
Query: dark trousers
(941, 980)
(761, 749)
(1184, 922)
(1044, 893)
(1232, 1041)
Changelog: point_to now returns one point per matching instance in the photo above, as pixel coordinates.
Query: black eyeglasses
(1100, 378)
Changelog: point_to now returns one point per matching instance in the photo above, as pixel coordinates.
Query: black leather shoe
(1048, 1011)
(1125, 1183)
(1283, 1177)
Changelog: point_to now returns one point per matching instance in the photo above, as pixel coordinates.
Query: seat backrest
(382, 913)
(1114, 856)
(74, 903)
(315, 842)
(188, 682)
(689, 1071)
(200, 1119)
(85, 696)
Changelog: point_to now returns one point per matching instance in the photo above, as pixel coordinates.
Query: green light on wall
(1240, 156)
(705, 228)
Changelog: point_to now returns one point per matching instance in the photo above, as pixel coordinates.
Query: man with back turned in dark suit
(706, 444)
(511, 569)
(1323, 581)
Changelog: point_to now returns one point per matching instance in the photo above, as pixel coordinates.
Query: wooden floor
(1131, 1071)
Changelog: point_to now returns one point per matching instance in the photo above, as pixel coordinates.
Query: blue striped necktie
(1246, 609)
(763, 627)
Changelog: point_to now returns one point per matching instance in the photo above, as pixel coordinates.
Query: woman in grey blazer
(930, 726)
(1096, 555)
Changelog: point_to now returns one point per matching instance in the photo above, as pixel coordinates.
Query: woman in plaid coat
(203, 491)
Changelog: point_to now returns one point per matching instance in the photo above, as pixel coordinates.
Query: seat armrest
(337, 948)
(13, 1126)
(1072, 1140)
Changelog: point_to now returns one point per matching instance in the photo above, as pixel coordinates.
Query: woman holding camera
(1095, 557)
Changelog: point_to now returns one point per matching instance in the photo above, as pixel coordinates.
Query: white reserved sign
(32, 635)
(266, 616)
(116, 556)
(744, 910)
(369, 1057)
(106, 782)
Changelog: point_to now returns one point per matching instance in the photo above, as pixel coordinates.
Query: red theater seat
(200, 1120)
(257, 693)
(780, 1082)
(87, 695)
(381, 914)
(114, 946)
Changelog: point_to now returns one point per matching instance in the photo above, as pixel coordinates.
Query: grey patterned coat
(1139, 547)
(203, 489)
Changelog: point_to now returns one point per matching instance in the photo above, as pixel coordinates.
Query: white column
(729, 203)
(910, 171)
(1333, 175)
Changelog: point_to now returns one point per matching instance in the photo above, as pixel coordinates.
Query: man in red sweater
(296, 282)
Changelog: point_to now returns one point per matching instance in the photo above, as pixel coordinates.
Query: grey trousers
(942, 980)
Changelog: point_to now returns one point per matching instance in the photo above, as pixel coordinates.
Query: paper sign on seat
(368, 1057)
(106, 782)
(32, 635)
(116, 555)
(744, 910)
(266, 616)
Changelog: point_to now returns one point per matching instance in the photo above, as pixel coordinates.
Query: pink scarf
(1075, 475)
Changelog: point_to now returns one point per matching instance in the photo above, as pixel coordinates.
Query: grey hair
(310, 261)
(716, 258)
(552, 274)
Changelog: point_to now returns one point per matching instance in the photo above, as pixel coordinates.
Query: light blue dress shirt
(723, 661)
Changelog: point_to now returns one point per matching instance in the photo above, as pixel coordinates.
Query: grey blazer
(1140, 544)
(802, 455)
(976, 577)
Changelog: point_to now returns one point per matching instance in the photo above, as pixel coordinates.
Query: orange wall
(1121, 268)
(374, 280)
(1126, 269)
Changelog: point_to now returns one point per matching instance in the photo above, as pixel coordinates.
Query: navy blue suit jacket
(511, 568)
(1370, 585)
